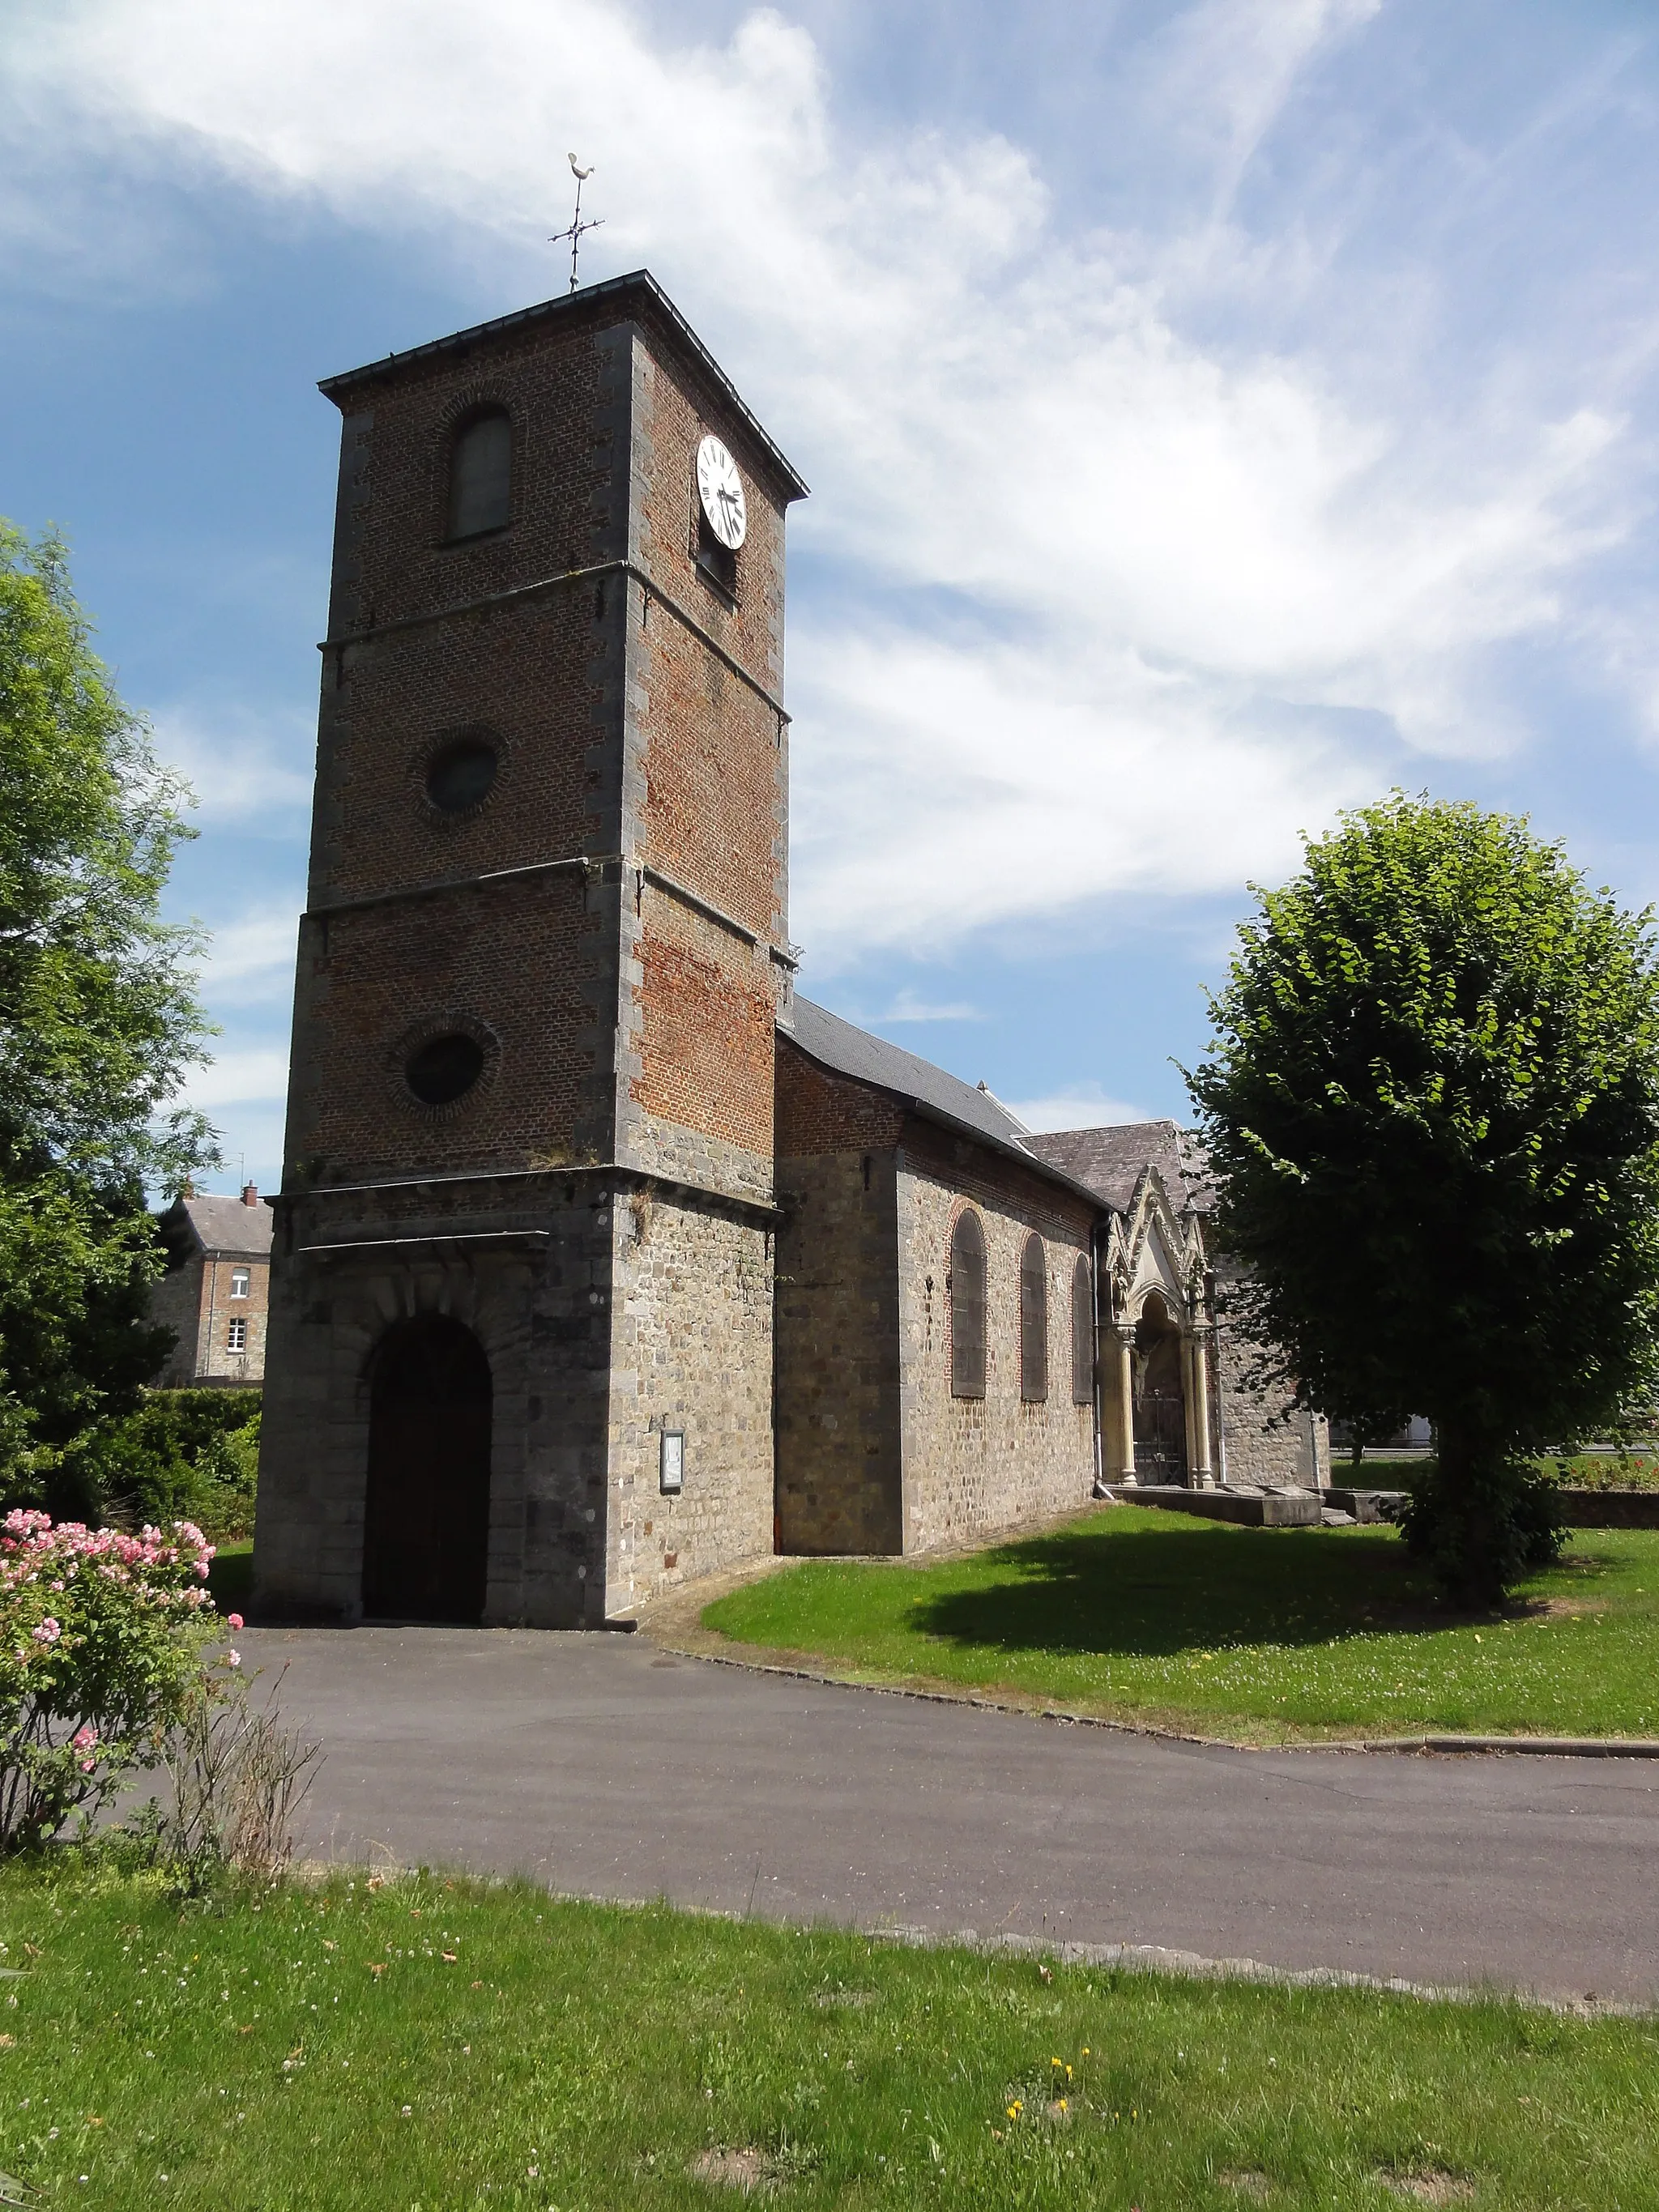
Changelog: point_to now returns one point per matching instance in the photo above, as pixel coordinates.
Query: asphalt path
(600, 1766)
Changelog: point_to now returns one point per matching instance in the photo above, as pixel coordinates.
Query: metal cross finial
(577, 225)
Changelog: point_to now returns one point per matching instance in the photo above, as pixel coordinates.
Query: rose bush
(102, 1638)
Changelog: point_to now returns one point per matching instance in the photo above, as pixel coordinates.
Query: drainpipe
(1220, 1388)
(1093, 1346)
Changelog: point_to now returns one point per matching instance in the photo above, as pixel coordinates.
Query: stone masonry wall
(529, 1270)
(691, 1349)
(974, 1465)
(175, 1303)
(840, 1457)
(1266, 1445)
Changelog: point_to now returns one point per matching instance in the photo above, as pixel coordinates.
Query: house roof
(639, 294)
(223, 1228)
(926, 1090)
(1110, 1161)
(854, 1052)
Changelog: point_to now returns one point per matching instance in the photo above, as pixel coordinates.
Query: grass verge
(1258, 1635)
(230, 1578)
(430, 2044)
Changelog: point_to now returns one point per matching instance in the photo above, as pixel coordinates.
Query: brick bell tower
(519, 1362)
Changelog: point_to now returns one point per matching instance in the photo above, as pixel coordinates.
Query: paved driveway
(598, 1765)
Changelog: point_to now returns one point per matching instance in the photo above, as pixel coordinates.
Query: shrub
(239, 1776)
(1514, 1519)
(184, 1454)
(101, 1647)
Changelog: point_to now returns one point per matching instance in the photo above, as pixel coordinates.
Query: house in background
(215, 1292)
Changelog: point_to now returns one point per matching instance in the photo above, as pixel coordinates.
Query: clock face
(720, 490)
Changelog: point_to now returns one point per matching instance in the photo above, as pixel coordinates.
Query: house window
(481, 475)
(238, 1282)
(1083, 1334)
(967, 1308)
(1033, 1323)
(238, 1341)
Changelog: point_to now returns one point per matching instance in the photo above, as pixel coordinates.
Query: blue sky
(1216, 415)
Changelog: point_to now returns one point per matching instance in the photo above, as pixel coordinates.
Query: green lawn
(1256, 1634)
(434, 2045)
(230, 1578)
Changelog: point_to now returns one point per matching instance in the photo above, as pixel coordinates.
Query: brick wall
(705, 804)
(705, 1046)
(195, 1301)
(515, 963)
(819, 1112)
(535, 675)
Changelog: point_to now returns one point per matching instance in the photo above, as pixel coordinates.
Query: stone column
(1195, 1370)
(1123, 1409)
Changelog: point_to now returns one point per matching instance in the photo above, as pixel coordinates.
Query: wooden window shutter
(967, 1308)
(1083, 1333)
(1033, 1322)
(481, 475)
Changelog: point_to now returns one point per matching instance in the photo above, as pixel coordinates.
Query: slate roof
(222, 1226)
(1110, 1161)
(836, 1044)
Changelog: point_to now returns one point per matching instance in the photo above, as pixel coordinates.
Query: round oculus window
(444, 1068)
(459, 777)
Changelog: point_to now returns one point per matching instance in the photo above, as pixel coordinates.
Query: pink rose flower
(234, 1620)
(48, 1632)
(232, 1658)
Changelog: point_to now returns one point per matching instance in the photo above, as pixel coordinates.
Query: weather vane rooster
(577, 225)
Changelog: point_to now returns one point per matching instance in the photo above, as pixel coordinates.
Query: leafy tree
(1433, 1100)
(98, 1022)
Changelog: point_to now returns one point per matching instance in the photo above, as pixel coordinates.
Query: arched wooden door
(426, 1536)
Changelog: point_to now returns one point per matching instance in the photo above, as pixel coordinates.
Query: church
(603, 1258)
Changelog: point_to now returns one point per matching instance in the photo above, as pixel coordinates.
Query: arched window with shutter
(1033, 1323)
(481, 475)
(967, 1308)
(1083, 1333)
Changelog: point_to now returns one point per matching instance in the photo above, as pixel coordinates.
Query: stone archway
(1160, 1410)
(426, 1532)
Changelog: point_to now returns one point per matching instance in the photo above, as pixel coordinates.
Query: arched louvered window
(1033, 1322)
(1083, 1333)
(481, 475)
(967, 1308)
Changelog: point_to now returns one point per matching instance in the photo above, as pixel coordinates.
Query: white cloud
(250, 960)
(908, 1008)
(241, 767)
(1078, 1106)
(257, 1074)
(1128, 599)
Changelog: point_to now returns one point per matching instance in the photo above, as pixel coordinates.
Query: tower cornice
(637, 296)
